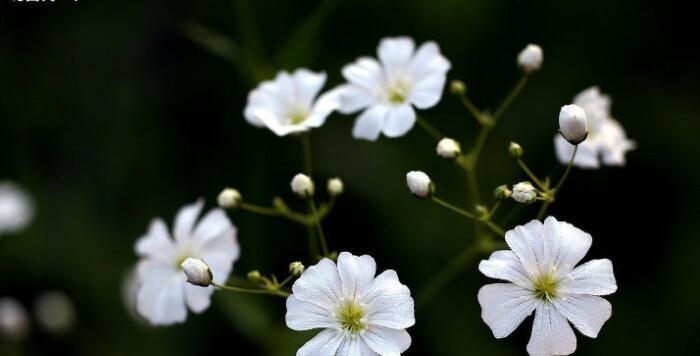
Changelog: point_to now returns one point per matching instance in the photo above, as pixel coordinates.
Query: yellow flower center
(398, 90)
(350, 315)
(545, 287)
(296, 117)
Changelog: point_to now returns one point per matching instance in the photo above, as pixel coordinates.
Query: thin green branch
(275, 292)
(428, 128)
(319, 228)
(510, 98)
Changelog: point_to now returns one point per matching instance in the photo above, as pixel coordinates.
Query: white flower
(541, 269)
(573, 124)
(197, 272)
(388, 89)
(164, 294)
(419, 184)
(14, 323)
(335, 187)
(229, 198)
(530, 59)
(55, 312)
(16, 208)
(361, 314)
(524, 192)
(288, 104)
(448, 148)
(606, 143)
(302, 185)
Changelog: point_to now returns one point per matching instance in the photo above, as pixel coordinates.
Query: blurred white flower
(14, 323)
(388, 89)
(16, 208)
(524, 192)
(164, 294)
(335, 187)
(606, 143)
(541, 269)
(55, 312)
(302, 185)
(419, 184)
(360, 314)
(530, 58)
(289, 103)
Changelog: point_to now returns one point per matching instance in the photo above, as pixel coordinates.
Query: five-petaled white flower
(164, 294)
(388, 89)
(360, 314)
(606, 143)
(541, 269)
(288, 104)
(16, 208)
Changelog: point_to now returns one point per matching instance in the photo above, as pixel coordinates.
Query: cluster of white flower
(359, 312)
(53, 311)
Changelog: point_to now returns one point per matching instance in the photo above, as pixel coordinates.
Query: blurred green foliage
(110, 114)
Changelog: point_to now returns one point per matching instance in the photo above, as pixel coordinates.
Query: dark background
(110, 116)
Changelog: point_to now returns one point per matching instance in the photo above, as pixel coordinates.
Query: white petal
(324, 343)
(427, 92)
(551, 333)
(156, 242)
(307, 85)
(563, 246)
(586, 157)
(396, 51)
(428, 61)
(526, 242)
(353, 98)
(389, 302)
(399, 120)
(320, 284)
(387, 342)
(276, 124)
(198, 298)
(355, 346)
(185, 219)
(588, 313)
(220, 263)
(614, 143)
(369, 124)
(365, 73)
(356, 273)
(306, 316)
(212, 225)
(160, 298)
(505, 265)
(324, 106)
(593, 277)
(504, 306)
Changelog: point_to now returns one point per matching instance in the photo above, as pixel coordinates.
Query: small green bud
(229, 198)
(457, 87)
(502, 192)
(515, 150)
(254, 276)
(481, 210)
(296, 268)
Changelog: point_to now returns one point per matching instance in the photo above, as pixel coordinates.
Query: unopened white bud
(229, 198)
(420, 184)
(524, 192)
(296, 268)
(448, 148)
(530, 59)
(14, 323)
(197, 272)
(302, 185)
(54, 312)
(573, 124)
(335, 187)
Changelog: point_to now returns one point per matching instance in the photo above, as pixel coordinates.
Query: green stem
(532, 176)
(486, 221)
(428, 128)
(552, 193)
(510, 98)
(279, 293)
(472, 108)
(443, 278)
(311, 241)
(306, 147)
(319, 228)
(263, 210)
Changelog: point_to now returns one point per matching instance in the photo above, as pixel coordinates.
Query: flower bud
(573, 124)
(502, 192)
(229, 198)
(420, 184)
(14, 323)
(457, 87)
(198, 272)
(54, 312)
(302, 186)
(524, 192)
(254, 276)
(296, 268)
(448, 148)
(481, 210)
(515, 150)
(335, 187)
(530, 59)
